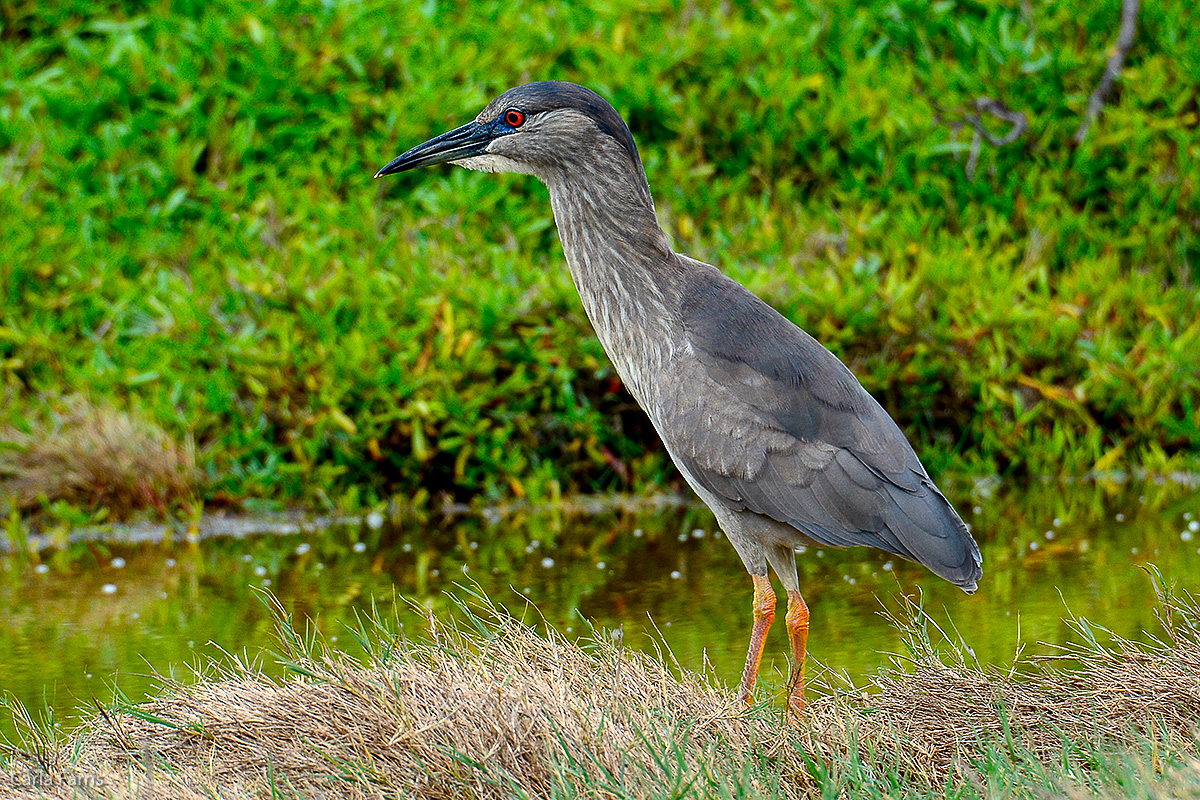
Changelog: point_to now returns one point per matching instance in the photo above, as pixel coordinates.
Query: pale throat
(494, 162)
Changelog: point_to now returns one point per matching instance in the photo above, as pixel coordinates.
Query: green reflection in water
(69, 633)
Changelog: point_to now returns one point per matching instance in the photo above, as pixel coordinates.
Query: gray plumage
(773, 432)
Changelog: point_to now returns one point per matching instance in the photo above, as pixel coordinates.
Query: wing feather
(779, 426)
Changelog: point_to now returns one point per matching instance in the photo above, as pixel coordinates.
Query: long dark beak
(469, 140)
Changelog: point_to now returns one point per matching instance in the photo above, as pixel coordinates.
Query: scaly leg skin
(797, 628)
(764, 615)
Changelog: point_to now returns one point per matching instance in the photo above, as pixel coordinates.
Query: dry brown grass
(494, 709)
(95, 457)
(937, 716)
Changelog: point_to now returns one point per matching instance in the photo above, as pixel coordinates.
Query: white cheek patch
(491, 162)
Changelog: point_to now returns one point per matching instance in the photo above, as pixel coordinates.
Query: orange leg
(764, 615)
(797, 628)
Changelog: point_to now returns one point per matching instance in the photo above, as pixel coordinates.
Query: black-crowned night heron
(773, 432)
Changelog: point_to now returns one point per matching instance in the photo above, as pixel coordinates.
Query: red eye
(514, 117)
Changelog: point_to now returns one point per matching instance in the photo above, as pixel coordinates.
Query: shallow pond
(107, 616)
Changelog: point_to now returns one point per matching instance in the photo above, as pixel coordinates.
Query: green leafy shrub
(191, 227)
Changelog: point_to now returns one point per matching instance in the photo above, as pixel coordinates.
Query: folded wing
(775, 424)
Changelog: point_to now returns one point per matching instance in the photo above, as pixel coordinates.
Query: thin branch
(1112, 71)
(1000, 111)
(997, 109)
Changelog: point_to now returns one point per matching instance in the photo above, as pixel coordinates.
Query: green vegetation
(192, 236)
(493, 708)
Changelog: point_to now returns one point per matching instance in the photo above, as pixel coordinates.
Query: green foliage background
(190, 229)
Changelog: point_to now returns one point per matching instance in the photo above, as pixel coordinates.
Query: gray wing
(777, 425)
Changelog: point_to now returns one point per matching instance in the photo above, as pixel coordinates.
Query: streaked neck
(622, 265)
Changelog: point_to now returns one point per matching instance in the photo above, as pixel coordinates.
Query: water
(102, 616)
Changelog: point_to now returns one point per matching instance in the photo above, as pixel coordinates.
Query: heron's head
(548, 129)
